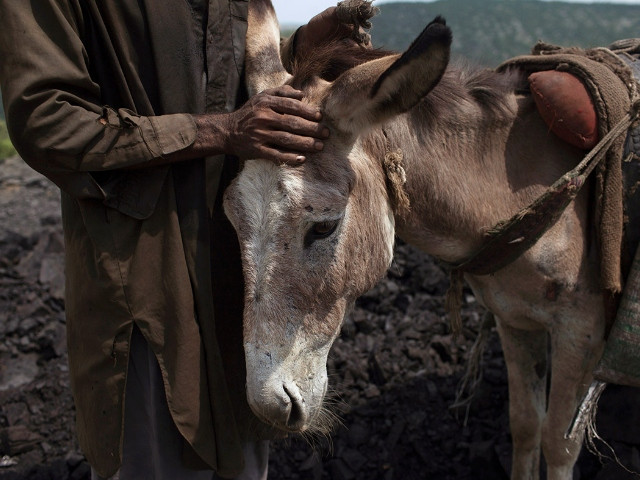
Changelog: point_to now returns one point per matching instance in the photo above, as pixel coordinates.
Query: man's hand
(274, 125)
(336, 24)
(321, 29)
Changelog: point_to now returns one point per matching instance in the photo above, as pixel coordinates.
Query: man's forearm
(212, 134)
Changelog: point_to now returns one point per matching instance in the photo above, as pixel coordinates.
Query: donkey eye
(324, 229)
(320, 230)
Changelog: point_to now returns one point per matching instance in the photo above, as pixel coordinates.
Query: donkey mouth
(285, 408)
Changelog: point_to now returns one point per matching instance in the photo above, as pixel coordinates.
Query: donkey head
(315, 237)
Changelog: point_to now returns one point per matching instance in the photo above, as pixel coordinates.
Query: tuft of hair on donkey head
(316, 236)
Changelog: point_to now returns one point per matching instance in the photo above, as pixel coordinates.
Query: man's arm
(59, 125)
(346, 22)
(274, 125)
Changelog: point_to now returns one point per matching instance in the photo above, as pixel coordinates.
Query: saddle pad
(620, 362)
(631, 174)
(608, 81)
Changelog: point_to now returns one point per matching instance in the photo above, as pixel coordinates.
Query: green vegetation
(6, 148)
(491, 31)
(286, 31)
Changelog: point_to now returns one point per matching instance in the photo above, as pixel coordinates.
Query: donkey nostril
(297, 415)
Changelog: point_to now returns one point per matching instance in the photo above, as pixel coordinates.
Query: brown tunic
(92, 88)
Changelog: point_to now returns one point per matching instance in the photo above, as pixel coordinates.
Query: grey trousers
(152, 444)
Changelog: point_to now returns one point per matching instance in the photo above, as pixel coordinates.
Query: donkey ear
(378, 90)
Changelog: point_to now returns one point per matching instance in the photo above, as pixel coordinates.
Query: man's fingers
(285, 91)
(282, 157)
(278, 126)
(287, 100)
(300, 126)
(295, 143)
(292, 106)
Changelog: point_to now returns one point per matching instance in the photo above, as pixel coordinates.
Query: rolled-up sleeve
(53, 108)
(129, 140)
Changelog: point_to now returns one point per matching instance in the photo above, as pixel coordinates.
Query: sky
(297, 12)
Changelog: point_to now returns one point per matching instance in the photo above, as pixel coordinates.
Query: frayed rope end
(470, 381)
(396, 179)
(584, 423)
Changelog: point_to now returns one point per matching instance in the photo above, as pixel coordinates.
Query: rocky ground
(394, 372)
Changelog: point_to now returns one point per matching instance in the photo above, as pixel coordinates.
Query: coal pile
(36, 409)
(394, 372)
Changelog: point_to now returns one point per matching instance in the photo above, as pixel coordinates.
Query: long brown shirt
(92, 88)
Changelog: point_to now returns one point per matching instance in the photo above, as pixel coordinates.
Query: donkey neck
(471, 163)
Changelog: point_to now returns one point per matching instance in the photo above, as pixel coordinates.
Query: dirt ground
(394, 372)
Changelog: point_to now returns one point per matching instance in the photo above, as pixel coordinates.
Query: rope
(585, 415)
(472, 378)
(623, 125)
(396, 179)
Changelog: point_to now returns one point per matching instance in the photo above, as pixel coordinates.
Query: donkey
(315, 237)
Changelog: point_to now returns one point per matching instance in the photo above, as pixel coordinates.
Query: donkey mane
(331, 60)
(463, 83)
(488, 87)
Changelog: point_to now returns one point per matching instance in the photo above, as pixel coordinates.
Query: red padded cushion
(566, 107)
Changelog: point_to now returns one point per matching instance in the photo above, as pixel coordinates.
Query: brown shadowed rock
(17, 440)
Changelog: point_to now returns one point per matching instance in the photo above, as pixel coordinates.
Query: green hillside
(6, 148)
(490, 31)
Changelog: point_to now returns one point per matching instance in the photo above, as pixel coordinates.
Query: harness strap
(509, 239)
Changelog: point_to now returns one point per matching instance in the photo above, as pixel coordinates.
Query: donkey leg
(525, 353)
(575, 352)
